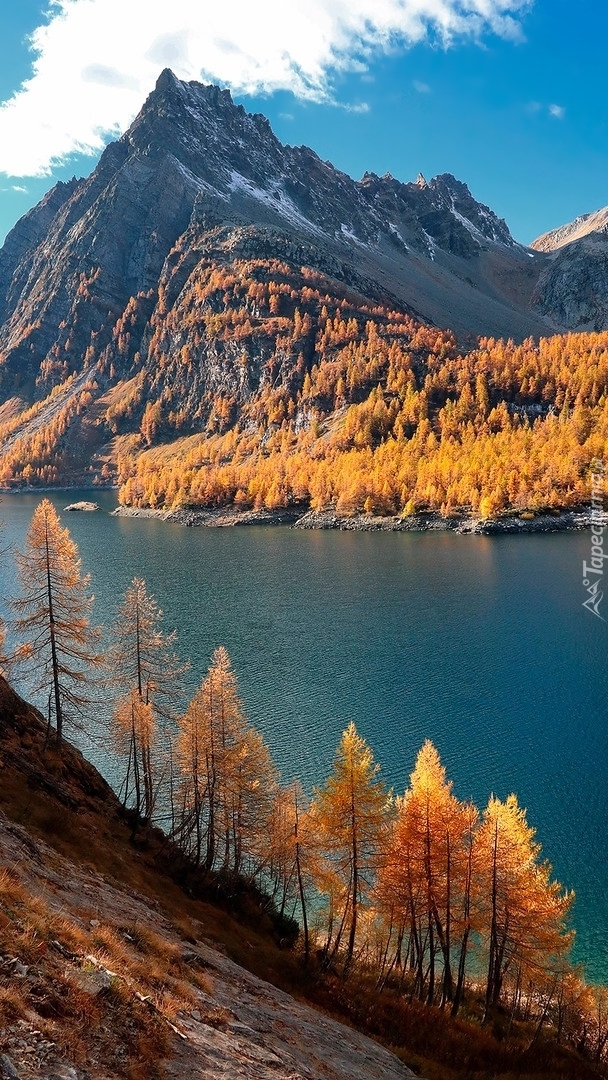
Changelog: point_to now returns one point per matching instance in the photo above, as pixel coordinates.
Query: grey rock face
(9, 1071)
(573, 289)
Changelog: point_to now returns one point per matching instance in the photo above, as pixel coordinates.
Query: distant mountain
(572, 289)
(585, 225)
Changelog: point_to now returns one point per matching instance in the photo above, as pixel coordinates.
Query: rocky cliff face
(572, 289)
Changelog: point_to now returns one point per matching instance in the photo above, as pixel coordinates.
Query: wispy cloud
(421, 87)
(536, 108)
(557, 111)
(95, 60)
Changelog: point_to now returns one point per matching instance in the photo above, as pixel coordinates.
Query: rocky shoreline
(228, 517)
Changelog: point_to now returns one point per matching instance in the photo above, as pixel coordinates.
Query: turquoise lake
(478, 643)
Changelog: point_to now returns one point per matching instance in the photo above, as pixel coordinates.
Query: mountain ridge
(582, 226)
(204, 274)
(194, 152)
(191, 151)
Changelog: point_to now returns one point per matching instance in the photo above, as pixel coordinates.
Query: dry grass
(12, 1006)
(436, 1046)
(148, 986)
(186, 929)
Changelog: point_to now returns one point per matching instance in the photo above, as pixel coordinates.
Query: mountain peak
(167, 80)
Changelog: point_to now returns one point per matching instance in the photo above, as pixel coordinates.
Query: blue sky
(509, 96)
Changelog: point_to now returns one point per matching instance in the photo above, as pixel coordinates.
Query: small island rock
(82, 506)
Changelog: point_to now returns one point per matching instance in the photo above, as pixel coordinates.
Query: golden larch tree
(424, 885)
(228, 779)
(134, 730)
(145, 669)
(523, 912)
(289, 844)
(53, 615)
(351, 812)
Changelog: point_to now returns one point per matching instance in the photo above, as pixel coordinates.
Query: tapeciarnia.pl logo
(593, 572)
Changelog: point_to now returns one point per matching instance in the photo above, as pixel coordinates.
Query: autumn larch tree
(250, 789)
(424, 885)
(228, 780)
(351, 813)
(53, 615)
(524, 913)
(134, 730)
(289, 845)
(144, 666)
(208, 733)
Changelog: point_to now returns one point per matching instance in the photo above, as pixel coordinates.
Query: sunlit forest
(367, 410)
(261, 385)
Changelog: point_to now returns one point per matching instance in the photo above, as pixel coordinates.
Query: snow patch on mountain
(395, 231)
(477, 235)
(347, 231)
(196, 181)
(275, 199)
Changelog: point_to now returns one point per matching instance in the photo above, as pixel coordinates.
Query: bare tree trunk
(493, 957)
(54, 660)
(300, 880)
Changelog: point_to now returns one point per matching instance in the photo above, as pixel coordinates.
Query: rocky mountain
(192, 159)
(572, 289)
(199, 263)
(583, 226)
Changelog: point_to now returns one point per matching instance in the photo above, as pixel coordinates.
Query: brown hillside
(109, 970)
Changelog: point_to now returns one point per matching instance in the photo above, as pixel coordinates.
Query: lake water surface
(478, 643)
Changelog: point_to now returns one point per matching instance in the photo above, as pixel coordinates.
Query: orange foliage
(275, 386)
(387, 416)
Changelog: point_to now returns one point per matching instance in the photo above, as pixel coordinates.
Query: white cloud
(94, 61)
(534, 108)
(360, 107)
(421, 87)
